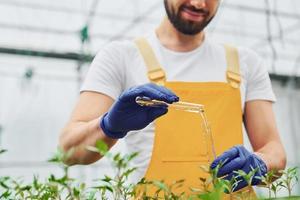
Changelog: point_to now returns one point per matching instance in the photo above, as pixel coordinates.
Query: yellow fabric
(233, 69)
(180, 146)
(155, 72)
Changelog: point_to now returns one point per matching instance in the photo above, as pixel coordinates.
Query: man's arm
(125, 115)
(263, 134)
(83, 128)
(268, 153)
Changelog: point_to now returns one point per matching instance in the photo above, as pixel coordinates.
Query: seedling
(117, 185)
(268, 182)
(161, 189)
(276, 186)
(248, 177)
(206, 183)
(290, 179)
(67, 188)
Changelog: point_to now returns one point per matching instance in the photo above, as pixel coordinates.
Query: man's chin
(193, 23)
(188, 32)
(190, 29)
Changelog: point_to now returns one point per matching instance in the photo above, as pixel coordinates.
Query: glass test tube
(180, 105)
(184, 106)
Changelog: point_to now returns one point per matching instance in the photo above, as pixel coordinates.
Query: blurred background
(46, 48)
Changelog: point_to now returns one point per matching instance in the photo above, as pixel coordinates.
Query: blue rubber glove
(126, 115)
(239, 158)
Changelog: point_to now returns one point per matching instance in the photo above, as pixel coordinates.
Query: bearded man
(179, 62)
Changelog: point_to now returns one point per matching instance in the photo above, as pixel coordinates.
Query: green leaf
(2, 151)
(5, 195)
(160, 185)
(117, 157)
(132, 156)
(106, 179)
(61, 156)
(104, 188)
(92, 195)
(205, 196)
(3, 182)
(102, 147)
(76, 192)
(128, 172)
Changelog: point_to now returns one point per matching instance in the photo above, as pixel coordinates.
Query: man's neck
(176, 41)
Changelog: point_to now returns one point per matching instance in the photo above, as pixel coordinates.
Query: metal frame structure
(132, 22)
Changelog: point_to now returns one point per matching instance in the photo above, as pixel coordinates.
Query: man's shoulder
(248, 55)
(245, 53)
(250, 61)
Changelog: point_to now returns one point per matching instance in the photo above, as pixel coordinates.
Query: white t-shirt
(119, 66)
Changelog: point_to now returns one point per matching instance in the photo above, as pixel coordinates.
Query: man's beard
(184, 26)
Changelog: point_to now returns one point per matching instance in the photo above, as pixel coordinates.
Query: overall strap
(155, 73)
(233, 67)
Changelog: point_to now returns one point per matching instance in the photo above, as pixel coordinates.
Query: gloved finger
(170, 96)
(156, 92)
(233, 165)
(145, 90)
(226, 157)
(154, 113)
(165, 91)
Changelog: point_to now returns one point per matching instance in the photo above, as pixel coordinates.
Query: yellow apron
(180, 147)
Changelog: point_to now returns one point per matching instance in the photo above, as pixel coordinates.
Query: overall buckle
(157, 76)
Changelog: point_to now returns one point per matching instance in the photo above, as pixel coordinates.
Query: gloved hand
(126, 115)
(239, 158)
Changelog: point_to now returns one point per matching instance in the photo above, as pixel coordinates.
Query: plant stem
(249, 192)
(230, 196)
(290, 191)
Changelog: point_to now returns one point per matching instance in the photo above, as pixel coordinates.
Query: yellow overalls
(179, 146)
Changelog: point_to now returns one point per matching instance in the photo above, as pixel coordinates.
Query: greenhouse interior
(47, 48)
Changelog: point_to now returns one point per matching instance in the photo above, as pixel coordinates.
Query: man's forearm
(79, 135)
(273, 155)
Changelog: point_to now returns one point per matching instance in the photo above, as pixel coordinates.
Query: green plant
(289, 179)
(65, 184)
(268, 182)
(59, 159)
(117, 185)
(248, 177)
(53, 188)
(66, 188)
(5, 187)
(275, 187)
(162, 190)
(214, 187)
